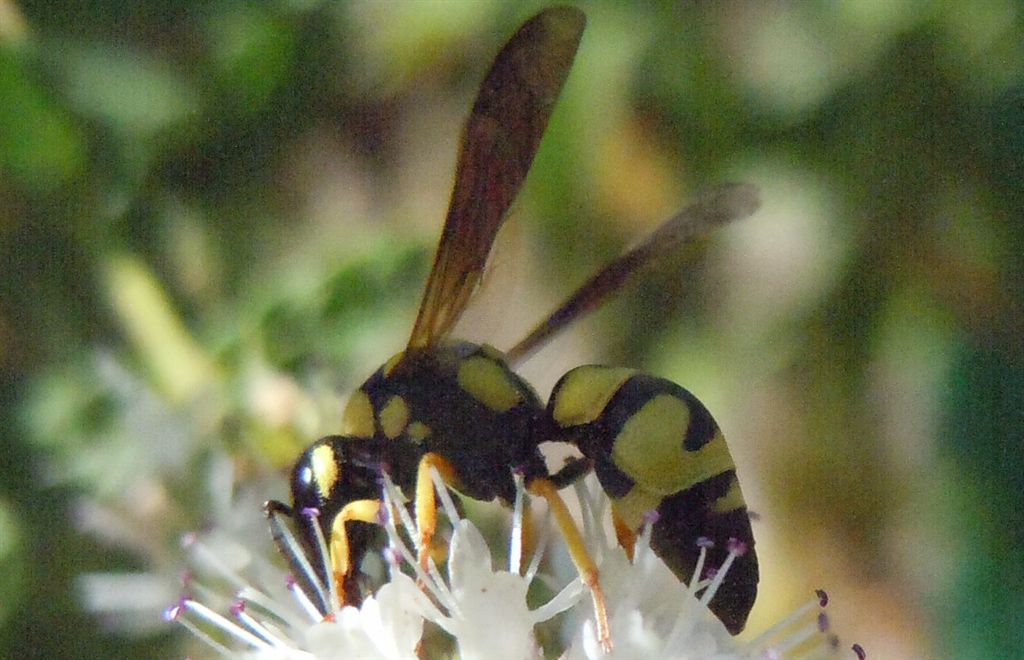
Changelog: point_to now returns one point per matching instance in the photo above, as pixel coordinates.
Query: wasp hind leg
(584, 563)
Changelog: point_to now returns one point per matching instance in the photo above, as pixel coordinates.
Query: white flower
(485, 611)
(654, 615)
(388, 625)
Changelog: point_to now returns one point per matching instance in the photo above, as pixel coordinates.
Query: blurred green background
(216, 217)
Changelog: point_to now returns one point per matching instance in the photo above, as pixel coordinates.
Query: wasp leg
(426, 504)
(577, 552)
(360, 511)
(528, 534)
(625, 535)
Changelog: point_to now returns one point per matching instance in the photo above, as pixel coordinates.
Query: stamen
(643, 542)
(267, 604)
(295, 556)
(736, 549)
(803, 632)
(571, 594)
(704, 543)
(859, 651)
(515, 550)
(542, 544)
(248, 622)
(430, 579)
(397, 505)
(442, 493)
(205, 638)
(218, 621)
(591, 524)
(303, 599)
(334, 599)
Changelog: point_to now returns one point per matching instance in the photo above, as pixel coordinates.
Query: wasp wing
(501, 137)
(723, 204)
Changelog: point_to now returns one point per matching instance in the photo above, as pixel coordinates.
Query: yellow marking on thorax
(394, 417)
(487, 382)
(585, 391)
(325, 469)
(357, 420)
(649, 448)
(418, 432)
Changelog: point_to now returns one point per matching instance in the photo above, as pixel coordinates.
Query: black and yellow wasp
(459, 407)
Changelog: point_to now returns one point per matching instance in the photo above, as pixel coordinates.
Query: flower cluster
(483, 610)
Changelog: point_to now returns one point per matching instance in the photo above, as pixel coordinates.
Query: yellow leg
(577, 552)
(529, 534)
(426, 504)
(341, 563)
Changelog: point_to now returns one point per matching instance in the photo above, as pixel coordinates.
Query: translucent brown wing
(501, 137)
(724, 204)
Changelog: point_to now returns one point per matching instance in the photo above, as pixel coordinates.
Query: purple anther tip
(237, 607)
(859, 651)
(705, 542)
(652, 517)
(822, 597)
(188, 538)
(174, 611)
(382, 516)
(289, 581)
(391, 555)
(310, 512)
(822, 621)
(737, 546)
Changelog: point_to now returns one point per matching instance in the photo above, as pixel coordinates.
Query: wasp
(460, 409)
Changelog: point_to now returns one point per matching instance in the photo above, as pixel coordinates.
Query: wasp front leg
(367, 511)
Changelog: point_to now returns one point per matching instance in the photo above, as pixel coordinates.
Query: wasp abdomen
(655, 447)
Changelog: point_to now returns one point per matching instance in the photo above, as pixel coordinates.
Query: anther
(737, 547)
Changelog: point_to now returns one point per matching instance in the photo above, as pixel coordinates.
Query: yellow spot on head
(649, 448)
(394, 417)
(325, 469)
(487, 381)
(583, 393)
(357, 420)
